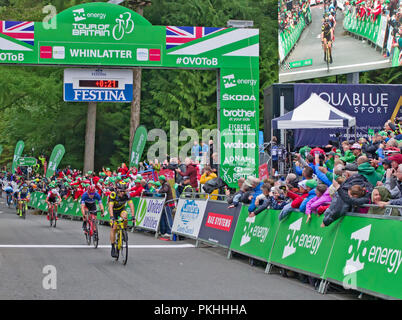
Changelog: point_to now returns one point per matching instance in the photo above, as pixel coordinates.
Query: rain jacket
(369, 172)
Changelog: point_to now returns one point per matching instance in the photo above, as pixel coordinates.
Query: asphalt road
(39, 262)
(349, 54)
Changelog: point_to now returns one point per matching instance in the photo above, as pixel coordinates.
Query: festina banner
(219, 223)
(149, 213)
(55, 158)
(140, 139)
(17, 154)
(371, 105)
(189, 216)
(254, 236)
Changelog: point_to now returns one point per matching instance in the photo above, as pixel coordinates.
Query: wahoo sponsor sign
(371, 257)
(219, 223)
(149, 213)
(188, 217)
(303, 246)
(98, 85)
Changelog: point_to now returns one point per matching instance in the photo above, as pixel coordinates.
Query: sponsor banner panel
(255, 236)
(368, 255)
(149, 213)
(371, 105)
(303, 246)
(239, 124)
(219, 223)
(189, 216)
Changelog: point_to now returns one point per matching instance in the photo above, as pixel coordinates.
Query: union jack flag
(21, 31)
(176, 36)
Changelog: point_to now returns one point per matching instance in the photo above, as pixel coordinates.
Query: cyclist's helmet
(91, 189)
(54, 191)
(122, 185)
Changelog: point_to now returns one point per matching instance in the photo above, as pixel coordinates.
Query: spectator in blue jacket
(256, 185)
(310, 187)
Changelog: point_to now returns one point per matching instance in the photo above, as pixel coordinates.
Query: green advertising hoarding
(304, 246)
(368, 256)
(17, 154)
(104, 34)
(255, 236)
(140, 139)
(27, 161)
(55, 158)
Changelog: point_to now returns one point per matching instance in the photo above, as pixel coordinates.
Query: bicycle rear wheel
(87, 233)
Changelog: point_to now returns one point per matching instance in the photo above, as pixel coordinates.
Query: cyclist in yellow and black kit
(326, 38)
(117, 204)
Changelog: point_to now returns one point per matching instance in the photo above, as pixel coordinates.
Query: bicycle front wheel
(95, 235)
(124, 247)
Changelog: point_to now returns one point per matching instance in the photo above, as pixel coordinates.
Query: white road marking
(138, 246)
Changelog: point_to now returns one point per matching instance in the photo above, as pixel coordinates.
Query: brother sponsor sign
(98, 85)
(372, 105)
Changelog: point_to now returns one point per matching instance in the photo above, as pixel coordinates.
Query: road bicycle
(24, 208)
(121, 243)
(91, 230)
(52, 215)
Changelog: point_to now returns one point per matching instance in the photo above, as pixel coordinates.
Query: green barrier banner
(17, 154)
(73, 208)
(395, 57)
(55, 158)
(140, 139)
(303, 246)
(255, 236)
(368, 255)
(1, 149)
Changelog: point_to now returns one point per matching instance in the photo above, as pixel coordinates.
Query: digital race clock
(98, 83)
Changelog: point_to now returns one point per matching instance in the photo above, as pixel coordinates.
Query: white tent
(314, 113)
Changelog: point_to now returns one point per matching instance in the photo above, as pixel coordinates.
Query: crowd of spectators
(370, 11)
(334, 180)
(290, 13)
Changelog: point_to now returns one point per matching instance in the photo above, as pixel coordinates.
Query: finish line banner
(371, 105)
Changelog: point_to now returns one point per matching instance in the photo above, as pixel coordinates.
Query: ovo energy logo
(390, 258)
(353, 264)
(289, 248)
(251, 230)
(79, 15)
(229, 81)
(306, 241)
